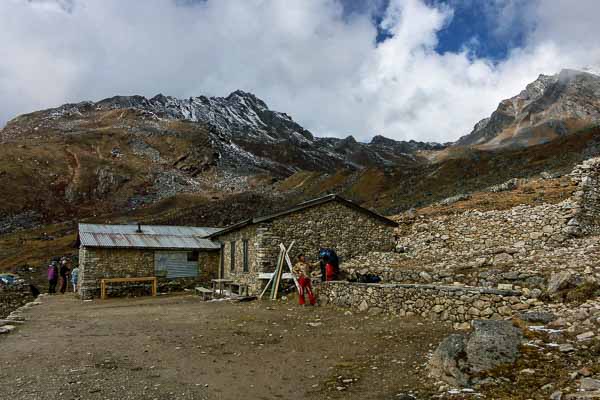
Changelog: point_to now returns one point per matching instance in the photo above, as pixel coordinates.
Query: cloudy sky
(407, 69)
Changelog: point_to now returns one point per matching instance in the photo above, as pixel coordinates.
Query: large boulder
(460, 357)
(559, 281)
(492, 343)
(449, 361)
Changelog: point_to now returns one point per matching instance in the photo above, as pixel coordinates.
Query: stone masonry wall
(586, 220)
(98, 263)
(389, 267)
(10, 300)
(475, 233)
(453, 304)
(254, 236)
(333, 225)
(503, 233)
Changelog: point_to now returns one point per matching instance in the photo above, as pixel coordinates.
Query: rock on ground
(489, 345)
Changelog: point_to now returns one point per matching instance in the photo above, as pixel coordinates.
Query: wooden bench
(220, 284)
(242, 289)
(204, 292)
(105, 281)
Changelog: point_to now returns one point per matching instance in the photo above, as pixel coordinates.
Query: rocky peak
(242, 97)
(536, 89)
(409, 147)
(549, 107)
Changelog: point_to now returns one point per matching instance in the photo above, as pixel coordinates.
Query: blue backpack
(331, 257)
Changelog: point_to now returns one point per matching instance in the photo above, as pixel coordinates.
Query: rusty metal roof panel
(155, 237)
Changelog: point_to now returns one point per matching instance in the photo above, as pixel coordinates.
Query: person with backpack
(330, 264)
(64, 275)
(52, 277)
(329, 270)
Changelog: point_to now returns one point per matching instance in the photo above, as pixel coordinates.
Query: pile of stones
(17, 317)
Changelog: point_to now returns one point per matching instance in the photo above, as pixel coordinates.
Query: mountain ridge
(549, 107)
(240, 119)
(124, 154)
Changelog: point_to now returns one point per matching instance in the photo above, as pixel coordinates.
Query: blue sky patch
(472, 28)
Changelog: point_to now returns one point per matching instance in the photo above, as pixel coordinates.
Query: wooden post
(102, 289)
(277, 274)
(291, 268)
(154, 287)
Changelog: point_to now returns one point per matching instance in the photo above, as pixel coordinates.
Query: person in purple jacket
(52, 277)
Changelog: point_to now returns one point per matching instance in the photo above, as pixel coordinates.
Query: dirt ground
(178, 347)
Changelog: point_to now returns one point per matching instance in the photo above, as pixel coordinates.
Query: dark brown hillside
(462, 170)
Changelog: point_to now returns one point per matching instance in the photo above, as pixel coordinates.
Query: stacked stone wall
(390, 268)
(10, 300)
(333, 225)
(475, 233)
(448, 267)
(98, 263)
(453, 304)
(520, 230)
(586, 199)
(254, 235)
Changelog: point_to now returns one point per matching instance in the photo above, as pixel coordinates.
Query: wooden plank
(270, 280)
(289, 264)
(278, 272)
(290, 267)
(105, 281)
(285, 253)
(269, 275)
(121, 280)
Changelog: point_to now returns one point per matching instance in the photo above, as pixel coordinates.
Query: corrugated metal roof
(152, 236)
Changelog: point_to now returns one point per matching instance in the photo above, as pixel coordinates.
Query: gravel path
(178, 347)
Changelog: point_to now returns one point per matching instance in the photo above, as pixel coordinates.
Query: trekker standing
(75, 278)
(329, 269)
(52, 277)
(302, 272)
(64, 275)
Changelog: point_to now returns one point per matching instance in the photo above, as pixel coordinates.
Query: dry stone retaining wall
(526, 272)
(475, 233)
(503, 233)
(521, 247)
(586, 220)
(454, 304)
(437, 274)
(10, 300)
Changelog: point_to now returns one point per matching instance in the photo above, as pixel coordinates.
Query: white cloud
(312, 59)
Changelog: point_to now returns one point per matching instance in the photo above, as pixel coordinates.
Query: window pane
(245, 256)
(233, 256)
(192, 256)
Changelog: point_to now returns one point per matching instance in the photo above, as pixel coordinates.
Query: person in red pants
(302, 272)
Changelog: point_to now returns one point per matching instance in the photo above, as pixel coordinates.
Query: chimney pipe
(139, 229)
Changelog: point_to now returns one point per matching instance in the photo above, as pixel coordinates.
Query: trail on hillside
(74, 166)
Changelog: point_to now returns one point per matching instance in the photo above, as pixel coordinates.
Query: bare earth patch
(178, 347)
